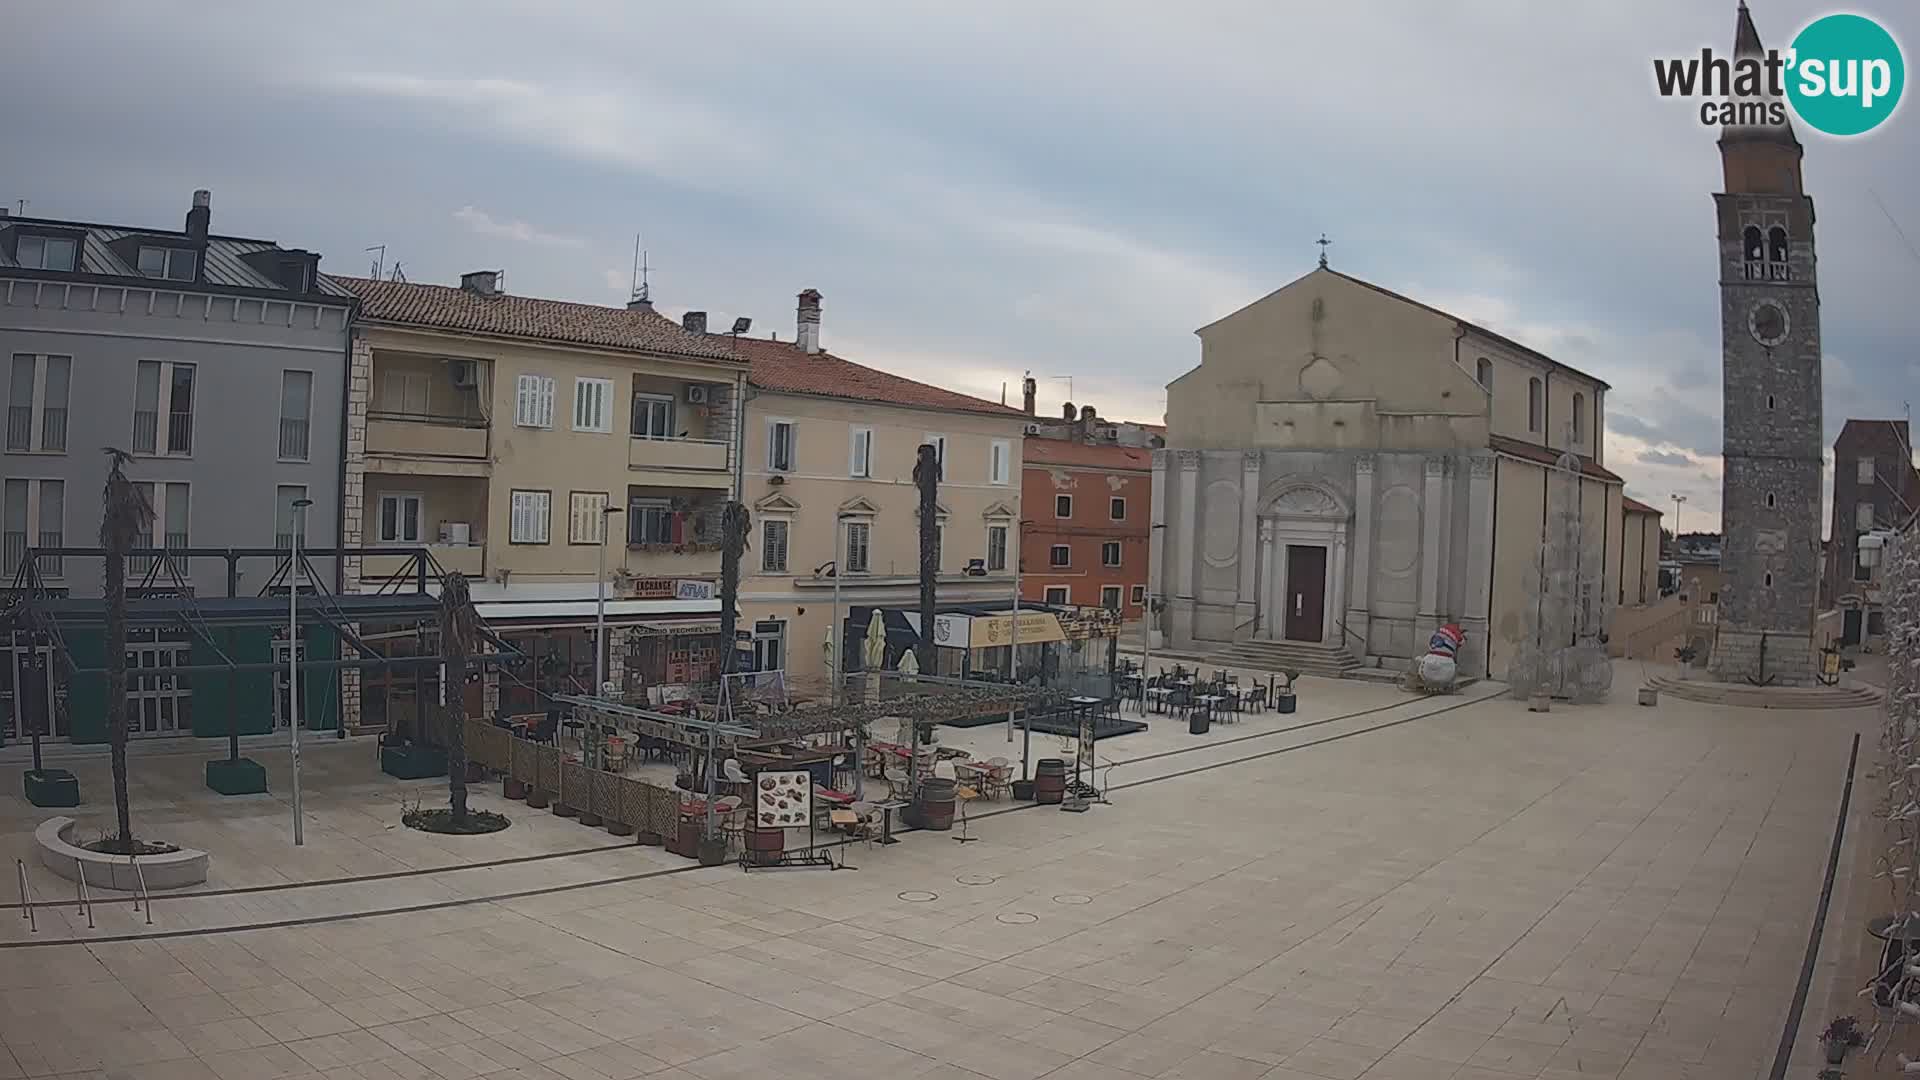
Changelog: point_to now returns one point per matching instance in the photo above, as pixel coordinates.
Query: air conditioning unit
(456, 533)
(1033, 429)
(696, 393)
(466, 373)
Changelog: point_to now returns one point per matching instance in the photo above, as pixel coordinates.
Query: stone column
(1249, 553)
(1360, 558)
(1478, 616)
(1431, 518)
(1189, 543)
(1157, 526)
(1272, 596)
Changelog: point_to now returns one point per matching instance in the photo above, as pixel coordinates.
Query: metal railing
(26, 897)
(293, 438)
(51, 565)
(143, 897)
(53, 429)
(19, 427)
(180, 433)
(13, 548)
(80, 880)
(283, 541)
(145, 427)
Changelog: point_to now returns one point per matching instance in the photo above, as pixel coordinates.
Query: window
(288, 518)
(1769, 500)
(1063, 506)
(1110, 597)
(860, 452)
(1579, 417)
(773, 546)
(1777, 254)
(586, 517)
(1060, 555)
(769, 645)
(399, 518)
(939, 545)
(296, 399)
(1863, 471)
(528, 516)
(1139, 595)
(32, 513)
(1058, 594)
(1713, 597)
(1861, 571)
(1117, 509)
(533, 401)
(1534, 403)
(1000, 461)
(1863, 516)
(174, 264)
(45, 253)
(163, 389)
(590, 398)
(996, 547)
(406, 393)
(652, 417)
(939, 444)
(1110, 553)
(1769, 401)
(650, 521)
(1483, 372)
(780, 445)
(858, 549)
(44, 428)
(1769, 578)
(170, 506)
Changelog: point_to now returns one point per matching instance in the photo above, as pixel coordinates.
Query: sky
(985, 189)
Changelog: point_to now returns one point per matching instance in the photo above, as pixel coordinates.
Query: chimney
(1087, 414)
(808, 336)
(1066, 410)
(1029, 389)
(200, 217)
(481, 282)
(640, 303)
(695, 321)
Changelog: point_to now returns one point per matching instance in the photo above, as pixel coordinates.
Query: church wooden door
(1306, 592)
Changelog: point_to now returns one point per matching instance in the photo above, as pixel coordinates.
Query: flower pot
(590, 819)
(713, 852)
(1023, 790)
(1285, 701)
(476, 773)
(537, 799)
(561, 809)
(619, 828)
(512, 789)
(649, 839)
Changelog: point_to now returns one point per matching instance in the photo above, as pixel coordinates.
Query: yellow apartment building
(522, 441)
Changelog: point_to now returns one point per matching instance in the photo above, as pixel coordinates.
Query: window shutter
(545, 410)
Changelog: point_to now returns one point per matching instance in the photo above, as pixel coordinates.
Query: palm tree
(125, 520)
(458, 624)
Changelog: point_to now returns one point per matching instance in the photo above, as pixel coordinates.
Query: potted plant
(1842, 1034)
(1284, 701)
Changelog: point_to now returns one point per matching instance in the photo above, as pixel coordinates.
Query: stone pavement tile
(295, 1024)
(393, 1067)
(1334, 1060)
(256, 1063)
(1074, 1036)
(424, 1033)
(1373, 1029)
(614, 1061)
(1209, 1065)
(268, 998)
(1143, 1054)
(214, 1036)
(1263, 1041)
(347, 1048)
(1404, 1066)
(1572, 1061)
(192, 1009)
(1444, 1044)
(390, 1008)
(9, 1068)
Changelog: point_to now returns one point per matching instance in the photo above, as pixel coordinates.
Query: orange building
(1085, 520)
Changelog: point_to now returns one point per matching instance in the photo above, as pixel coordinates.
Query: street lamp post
(293, 662)
(1677, 500)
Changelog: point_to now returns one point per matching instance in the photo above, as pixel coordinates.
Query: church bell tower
(1772, 421)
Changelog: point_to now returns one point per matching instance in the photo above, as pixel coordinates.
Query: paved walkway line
(1787, 1034)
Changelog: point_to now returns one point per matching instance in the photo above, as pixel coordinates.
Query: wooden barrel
(936, 804)
(1049, 780)
(765, 846)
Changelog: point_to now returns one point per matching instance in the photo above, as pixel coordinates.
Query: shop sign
(1036, 628)
(686, 589)
(672, 589)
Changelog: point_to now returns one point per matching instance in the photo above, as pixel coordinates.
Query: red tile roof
(442, 307)
(1532, 452)
(1042, 451)
(782, 367)
(1634, 506)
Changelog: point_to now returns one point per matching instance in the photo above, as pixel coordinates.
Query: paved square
(1474, 892)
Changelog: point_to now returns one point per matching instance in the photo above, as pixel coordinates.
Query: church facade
(1348, 468)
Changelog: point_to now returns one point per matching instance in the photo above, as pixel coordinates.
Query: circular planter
(61, 855)
(537, 799)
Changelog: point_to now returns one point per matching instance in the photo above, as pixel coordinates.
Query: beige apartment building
(521, 441)
(828, 477)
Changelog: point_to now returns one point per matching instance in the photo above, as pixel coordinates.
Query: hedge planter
(650, 839)
(538, 799)
(619, 828)
(561, 809)
(169, 870)
(51, 787)
(413, 762)
(237, 776)
(590, 819)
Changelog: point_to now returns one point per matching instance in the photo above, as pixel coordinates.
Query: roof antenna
(397, 275)
(640, 289)
(23, 206)
(379, 260)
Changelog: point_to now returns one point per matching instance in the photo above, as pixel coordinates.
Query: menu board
(783, 800)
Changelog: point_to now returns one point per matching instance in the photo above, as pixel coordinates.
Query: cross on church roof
(1324, 244)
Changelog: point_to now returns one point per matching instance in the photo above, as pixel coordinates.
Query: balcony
(415, 435)
(468, 559)
(692, 462)
(19, 427)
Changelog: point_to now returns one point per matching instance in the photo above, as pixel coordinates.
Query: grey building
(1770, 376)
(218, 362)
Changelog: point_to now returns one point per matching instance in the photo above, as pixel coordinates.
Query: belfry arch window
(1753, 250)
(1777, 254)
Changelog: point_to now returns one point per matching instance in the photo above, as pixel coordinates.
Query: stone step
(1747, 696)
(1306, 657)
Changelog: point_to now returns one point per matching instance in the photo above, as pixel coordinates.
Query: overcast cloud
(994, 187)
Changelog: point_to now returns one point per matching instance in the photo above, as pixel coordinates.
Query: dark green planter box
(413, 762)
(243, 776)
(51, 787)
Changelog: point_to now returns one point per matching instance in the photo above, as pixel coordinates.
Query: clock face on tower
(1767, 322)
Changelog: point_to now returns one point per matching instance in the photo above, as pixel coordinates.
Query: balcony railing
(145, 423)
(283, 541)
(51, 565)
(53, 429)
(680, 455)
(293, 438)
(13, 548)
(427, 436)
(179, 433)
(19, 427)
